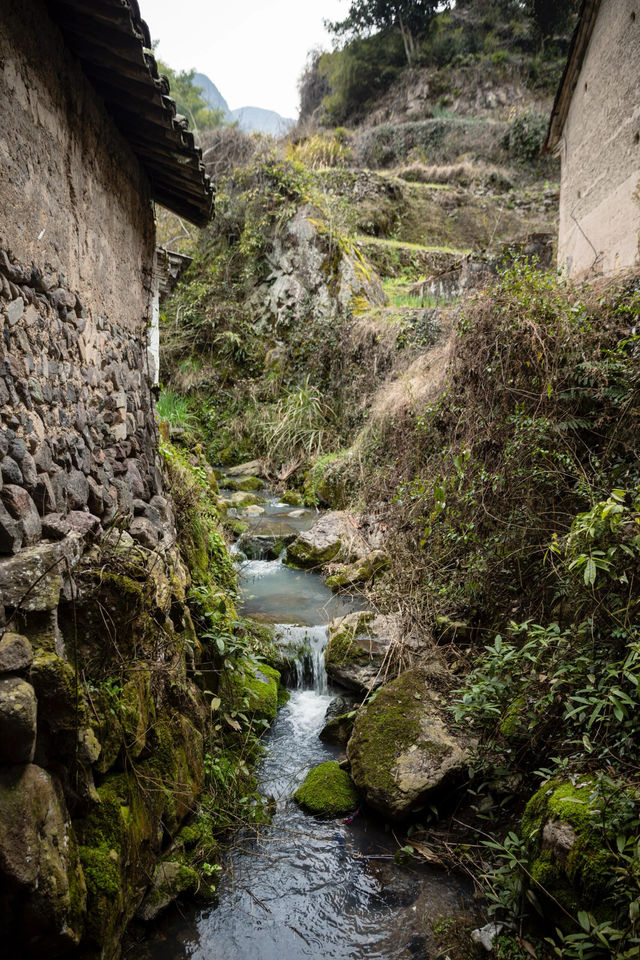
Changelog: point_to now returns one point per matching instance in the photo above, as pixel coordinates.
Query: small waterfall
(306, 647)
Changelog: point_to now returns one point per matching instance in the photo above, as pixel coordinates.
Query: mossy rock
(357, 648)
(327, 791)
(171, 878)
(60, 694)
(258, 685)
(403, 751)
(570, 833)
(359, 572)
(292, 498)
(243, 484)
(327, 541)
(337, 730)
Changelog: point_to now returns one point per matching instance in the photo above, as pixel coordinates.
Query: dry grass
(418, 384)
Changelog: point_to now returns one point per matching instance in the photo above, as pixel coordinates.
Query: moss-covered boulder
(243, 484)
(334, 537)
(571, 832)
(361, 571)
(361, 646)
(327, 791)
(403, 750)
(292, 498)
(256, 690)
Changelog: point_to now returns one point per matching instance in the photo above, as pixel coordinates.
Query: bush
(526, 136)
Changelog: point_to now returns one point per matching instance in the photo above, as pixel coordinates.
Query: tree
(410, 17)
(552, 16)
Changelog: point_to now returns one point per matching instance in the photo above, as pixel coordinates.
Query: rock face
(402, 751)
(361, 649)
(327, 791)
(170, 879)
(46, 894)
(335, 536)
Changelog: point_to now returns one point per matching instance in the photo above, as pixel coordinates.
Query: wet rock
(18, 713)
(22, 508)
(361, 571)
(243, 484)
(338, 730)
(361, 649)
(170, 879)
(334, 537)
(15, 653)
(403, 750)
(253, 511)
(43, 880)
(263, 548)
(327, 791)
(240, 499)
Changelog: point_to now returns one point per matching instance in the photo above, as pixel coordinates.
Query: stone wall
(600, 150)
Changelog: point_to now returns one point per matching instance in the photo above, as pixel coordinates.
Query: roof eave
(577, 52)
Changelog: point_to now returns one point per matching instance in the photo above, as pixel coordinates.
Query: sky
(253, 50)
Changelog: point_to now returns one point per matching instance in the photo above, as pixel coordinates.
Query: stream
(303, 887)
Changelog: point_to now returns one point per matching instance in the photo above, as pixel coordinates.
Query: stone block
(34, 578)
(10, 532)
(11, 472)
(22, 508)
(18, 716)
(15, 653)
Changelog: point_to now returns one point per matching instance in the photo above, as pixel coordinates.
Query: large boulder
(327, 791)
(361, 646)
(403, 750)
(44, 896)
(334, 537)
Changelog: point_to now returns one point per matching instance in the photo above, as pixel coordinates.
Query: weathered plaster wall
(600, 150)
(77, 239)
(73, 198)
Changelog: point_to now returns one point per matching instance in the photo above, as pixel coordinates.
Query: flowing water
(307, 888)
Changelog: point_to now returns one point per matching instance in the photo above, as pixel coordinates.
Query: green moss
(513, 725)
(243, 484)
(101, 870)
(327, 791)
(579, 875)
(255, 690)
(293, 498)
(386, 728)
(349, 644)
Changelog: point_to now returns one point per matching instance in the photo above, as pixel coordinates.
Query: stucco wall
(600, 150)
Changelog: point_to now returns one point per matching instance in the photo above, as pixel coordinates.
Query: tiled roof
(113, 45)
